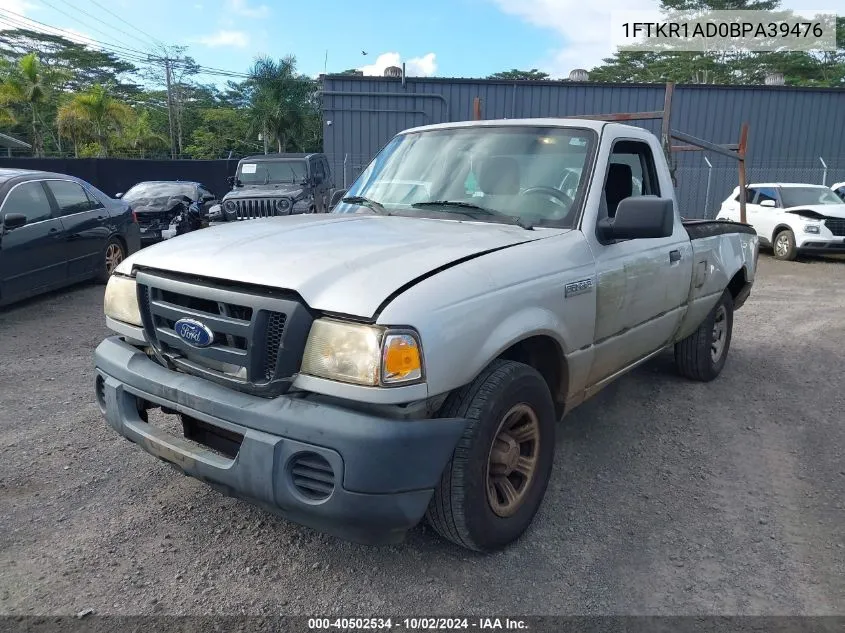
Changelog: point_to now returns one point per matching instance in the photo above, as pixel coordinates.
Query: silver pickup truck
(409, 354)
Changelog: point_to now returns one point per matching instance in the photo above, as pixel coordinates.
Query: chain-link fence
(702, 189)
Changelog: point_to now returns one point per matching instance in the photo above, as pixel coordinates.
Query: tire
(505, 394)
(698, 357)
(784, 247)
(113, 254)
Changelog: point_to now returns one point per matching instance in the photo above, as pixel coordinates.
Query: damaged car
(162, 206)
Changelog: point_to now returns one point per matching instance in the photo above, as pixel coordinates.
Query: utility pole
(170, 107)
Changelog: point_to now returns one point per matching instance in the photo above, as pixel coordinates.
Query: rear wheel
(702, 355)
(114, 254)
(495, 482)
(784, 245)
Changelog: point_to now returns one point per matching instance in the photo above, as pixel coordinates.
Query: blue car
(56, 230)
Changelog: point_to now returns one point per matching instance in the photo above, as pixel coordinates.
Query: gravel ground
(667, 497)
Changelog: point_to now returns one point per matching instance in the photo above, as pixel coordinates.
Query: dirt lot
(668, 497)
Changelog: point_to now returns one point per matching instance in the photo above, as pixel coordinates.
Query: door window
(766, 193)
(631, 173)
(31, 200)
(70, 197)
(318, 171)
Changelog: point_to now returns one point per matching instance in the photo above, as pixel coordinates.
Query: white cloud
(240, 7)
(424, 66)
(584, 28)
(16, 6)
(238, 39)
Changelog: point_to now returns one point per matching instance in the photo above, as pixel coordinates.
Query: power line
(24, 22)
(150, 37)
(83, 11)
(132, 54)
(93, 28)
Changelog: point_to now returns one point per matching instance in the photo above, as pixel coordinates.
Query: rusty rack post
(737, 151)
(476, 109)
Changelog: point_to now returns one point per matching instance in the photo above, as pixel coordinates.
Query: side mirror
(639, 217)
(118, 195)
(337, 196)
(768, 203)
(232, 181)
(13, 221)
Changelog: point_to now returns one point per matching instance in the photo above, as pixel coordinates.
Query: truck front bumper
(375, 475)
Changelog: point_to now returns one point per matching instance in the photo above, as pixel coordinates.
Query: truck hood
(342, 263)
(827, 210)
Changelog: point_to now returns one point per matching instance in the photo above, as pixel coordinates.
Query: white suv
(792, 218)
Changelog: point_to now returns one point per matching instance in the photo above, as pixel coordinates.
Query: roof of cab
(557, 122)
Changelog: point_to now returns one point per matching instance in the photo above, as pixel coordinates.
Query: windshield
(529, 174)
(799, 196)
(265, 171)
(151, 190)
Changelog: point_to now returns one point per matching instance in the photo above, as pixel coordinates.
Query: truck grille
(252, 208)
(836, 225)
(257, 339)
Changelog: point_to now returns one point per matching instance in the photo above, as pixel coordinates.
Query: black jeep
(268, 185)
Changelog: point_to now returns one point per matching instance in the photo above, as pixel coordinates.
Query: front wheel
(495, 482)
(784, 246)
(702, 355)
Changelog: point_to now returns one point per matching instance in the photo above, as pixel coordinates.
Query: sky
(448, 38)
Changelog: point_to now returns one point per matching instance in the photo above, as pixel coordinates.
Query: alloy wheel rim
(512, 461)
(114, 255)
(720, 329)
(782, 245)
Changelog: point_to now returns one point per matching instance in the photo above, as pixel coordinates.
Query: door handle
(674, 256)
(101, 217)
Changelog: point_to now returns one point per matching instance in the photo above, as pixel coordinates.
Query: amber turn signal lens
(401, 359)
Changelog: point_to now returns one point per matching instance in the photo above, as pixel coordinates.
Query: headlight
(229, 205)
(811, 228)
(121, 301)
(362, 354)
(283, 204)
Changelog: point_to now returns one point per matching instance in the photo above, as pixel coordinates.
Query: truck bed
(697, 229)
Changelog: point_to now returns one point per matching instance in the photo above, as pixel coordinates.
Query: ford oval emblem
(193, 332)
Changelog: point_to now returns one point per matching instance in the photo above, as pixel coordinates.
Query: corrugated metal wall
(790, 128)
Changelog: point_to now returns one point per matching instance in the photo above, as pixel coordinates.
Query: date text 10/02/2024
(417, 624)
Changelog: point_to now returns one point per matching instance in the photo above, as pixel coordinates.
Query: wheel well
(122, 241)
(544, 354)
(738, 282)
(778, 229)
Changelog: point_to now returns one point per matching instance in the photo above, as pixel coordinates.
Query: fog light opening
(100, 391)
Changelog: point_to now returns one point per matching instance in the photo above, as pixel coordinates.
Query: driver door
(642, 283)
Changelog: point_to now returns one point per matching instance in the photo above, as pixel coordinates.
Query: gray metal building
(796, 134)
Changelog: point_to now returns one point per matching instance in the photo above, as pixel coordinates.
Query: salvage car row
(56, 230)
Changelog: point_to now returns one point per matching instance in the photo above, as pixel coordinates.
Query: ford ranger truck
(408, 355)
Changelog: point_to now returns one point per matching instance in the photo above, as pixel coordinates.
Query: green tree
(139, 135)
(27, 85)
(101, 112)
(520, 75)
(221, 131)
(281, 103)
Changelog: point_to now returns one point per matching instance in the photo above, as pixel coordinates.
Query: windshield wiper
(473, 209)
(366, 202)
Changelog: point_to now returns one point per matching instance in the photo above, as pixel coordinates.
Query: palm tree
(99, 110)
(280, 101)
(139, 135)
(27, 84)
(73, 125)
